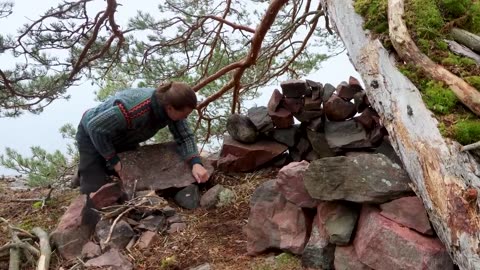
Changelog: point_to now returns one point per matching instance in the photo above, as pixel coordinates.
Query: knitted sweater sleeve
(102, 128)
(186, 141)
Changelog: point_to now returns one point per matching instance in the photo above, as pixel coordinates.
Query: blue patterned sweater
(132, 116)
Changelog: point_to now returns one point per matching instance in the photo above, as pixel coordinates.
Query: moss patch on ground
(429, 23)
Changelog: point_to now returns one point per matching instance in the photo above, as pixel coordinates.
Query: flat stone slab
(156, 167)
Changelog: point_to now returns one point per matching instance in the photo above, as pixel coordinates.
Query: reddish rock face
(75, 228)
(410, 212)
(274, 101)
(290, 183)
(107, 195)
(338, 109)
(282, 118)
(347, 259)
(156, 167)
(239, 157)
(312, 105)
(294, 105)
(368, 119)
(294, 88)
(275, 222)
(384, 244)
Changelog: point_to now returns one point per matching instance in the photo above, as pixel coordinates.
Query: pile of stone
(345, 212)
(332, 120)
(94, 218)
(343, 200)
(97, 228)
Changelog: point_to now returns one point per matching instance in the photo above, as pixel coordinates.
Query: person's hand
(199, 173)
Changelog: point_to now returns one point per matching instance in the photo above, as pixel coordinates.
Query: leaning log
(446, 179)
(466, 38)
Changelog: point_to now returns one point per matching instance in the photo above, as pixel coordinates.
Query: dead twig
(14, 263)
(115, 223)
(22, 245)
(45, 249)
(470, 146)
(43, 200)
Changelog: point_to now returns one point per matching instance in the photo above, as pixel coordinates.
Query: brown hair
(179, 95)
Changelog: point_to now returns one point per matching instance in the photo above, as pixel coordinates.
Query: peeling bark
(445, 178)
(409, 52)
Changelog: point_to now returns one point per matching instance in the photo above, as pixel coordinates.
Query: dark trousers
(92, 168)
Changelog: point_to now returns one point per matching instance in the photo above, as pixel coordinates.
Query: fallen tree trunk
(446, 179)
(409, 52)
(462, 50)
(466, 38)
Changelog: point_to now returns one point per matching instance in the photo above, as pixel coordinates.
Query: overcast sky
(42, 130)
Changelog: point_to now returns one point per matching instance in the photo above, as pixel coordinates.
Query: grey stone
(317, 89)
(370, 178)
(347, 135)
(188, 197)
(210, 198)
(152, 223)
(176, 227)
(287, 136)
(241, 128)
(318, 253)
(121, 234)
(319, 144)
(340, 225)
(328, 91)
(260, 118)
(91, 250)
(112, 259)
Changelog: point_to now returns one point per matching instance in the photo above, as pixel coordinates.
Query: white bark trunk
(446, 179)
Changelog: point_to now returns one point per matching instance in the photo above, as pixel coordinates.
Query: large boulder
(274, 222)
(239, 157)
(384, 244)
(156, 167)
(370, 178)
